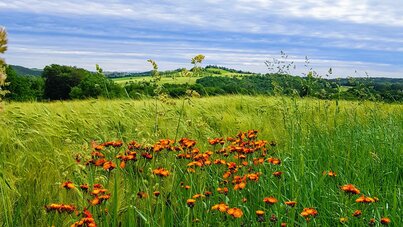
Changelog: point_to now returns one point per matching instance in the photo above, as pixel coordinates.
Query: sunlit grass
(360, 142)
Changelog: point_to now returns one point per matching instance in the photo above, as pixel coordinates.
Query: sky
(353, 37)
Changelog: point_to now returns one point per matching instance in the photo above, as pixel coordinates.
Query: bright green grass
(361, 142)
(164, 80)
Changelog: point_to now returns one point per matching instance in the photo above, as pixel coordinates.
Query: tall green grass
(360, 141)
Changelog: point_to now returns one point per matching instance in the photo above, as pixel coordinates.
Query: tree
(59, 80)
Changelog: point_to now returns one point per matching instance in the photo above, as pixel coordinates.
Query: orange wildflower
(329, 173)
(244, 200)
(87, 220)
(198, 196)
(208, 193)
(349, 188)
(95, 201)
(108, 166)
(68, 185)
(142, 195)
(274, 161)
(363, 199)
(309, 212)
(222, 190)
(99, 162)
(290, 203)
(385, 221)
(257, 161)
(283, 224)
(240, 186)
(357, 213)
(60, 208)
(270, 200)
(84, 187)
(222, 207)
(147, 155)
(157, 193)
(191, 203)
(278, 174)
(235, 212)
(161, 172)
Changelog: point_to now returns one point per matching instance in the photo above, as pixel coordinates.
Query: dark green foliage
(23, 71)
(24, 88)
(59, 80)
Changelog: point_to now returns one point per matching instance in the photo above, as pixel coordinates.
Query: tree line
(59, 82)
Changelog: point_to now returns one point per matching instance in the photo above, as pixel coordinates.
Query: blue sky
(120, 35)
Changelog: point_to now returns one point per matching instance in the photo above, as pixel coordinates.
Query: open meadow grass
(305, 151)
(164, 80)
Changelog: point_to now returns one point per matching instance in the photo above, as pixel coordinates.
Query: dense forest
(57, 82)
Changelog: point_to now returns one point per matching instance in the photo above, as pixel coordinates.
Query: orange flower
(357, 213)
(270, 200)
(385, 221)
(142, 195)
(290, 203)
(253, 176)
(95, 201)
(309, 212)
(87, 220)
(222, 190)
(60, 208)
(147, 155)
(283, 224)
(240, 186)
(108, 166)
(198, 196)
(99, 162)
(349, 188)
(274, 161)
(84, 187)
(363, 199)
(222, 207)
(257, 161)
(68, 185)
(161, 172)
(191, 203)
(208, 193)
(157, 193)
(330, 173)
(235, 212)
(278, 174)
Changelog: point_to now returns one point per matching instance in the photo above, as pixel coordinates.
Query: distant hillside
(23, 71)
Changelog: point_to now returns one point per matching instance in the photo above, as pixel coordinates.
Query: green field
(164, 80)
(360, 141)
(176, 78)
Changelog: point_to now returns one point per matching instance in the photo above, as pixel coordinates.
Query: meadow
(245, 161)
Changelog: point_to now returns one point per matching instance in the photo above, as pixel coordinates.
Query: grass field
(41, 143)
(175, 78)
(164, 80)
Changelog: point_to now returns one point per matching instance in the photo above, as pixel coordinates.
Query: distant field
(168, 80)
(47, 150)
(175, 78)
